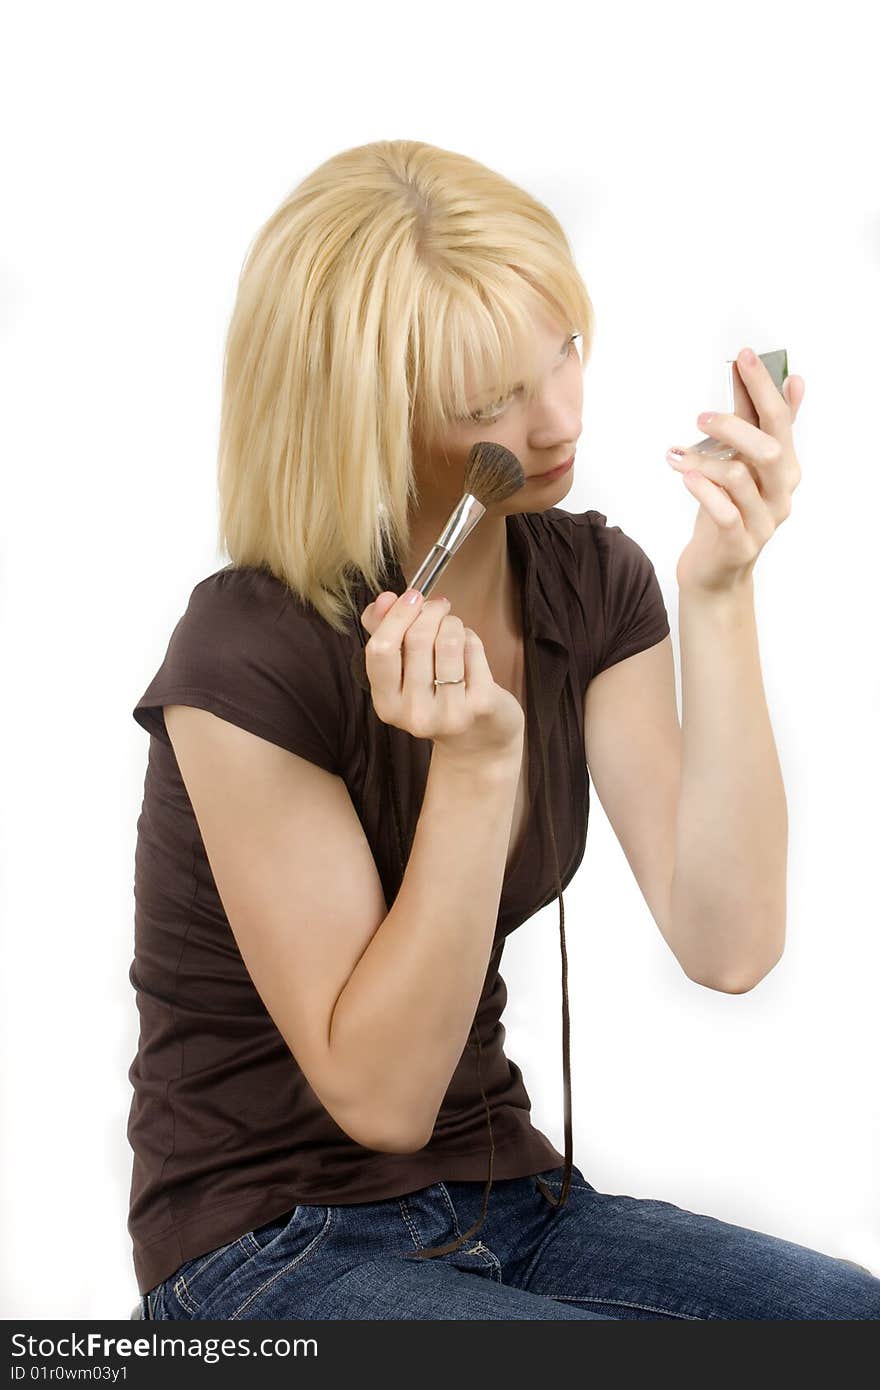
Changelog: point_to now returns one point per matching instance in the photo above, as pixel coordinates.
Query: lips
(556, 467)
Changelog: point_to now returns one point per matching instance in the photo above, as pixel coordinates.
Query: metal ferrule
(457, 529)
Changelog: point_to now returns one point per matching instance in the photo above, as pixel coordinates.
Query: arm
(699, 810)
(728, 898)
(728, 893)
(402, 1021)
(375, 1005)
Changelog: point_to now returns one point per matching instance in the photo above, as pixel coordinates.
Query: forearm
(728, 902)
(403, 1019)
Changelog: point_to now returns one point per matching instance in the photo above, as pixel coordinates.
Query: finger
(478, 678)
(449, 658)
(383, 603)
(761, 514)
(383, 653)
(794, 388)
(375, 611)
(714, 499)
(772, 464)
(718, 469)
(418, 648)
(755, 445)
(773, 412)
(738, 482)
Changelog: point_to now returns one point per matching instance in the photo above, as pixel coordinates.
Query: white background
(714, 166)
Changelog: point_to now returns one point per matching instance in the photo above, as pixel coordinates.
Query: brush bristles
(492, 472)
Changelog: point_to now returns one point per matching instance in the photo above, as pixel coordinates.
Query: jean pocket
(196, 1279)
(554, 1177)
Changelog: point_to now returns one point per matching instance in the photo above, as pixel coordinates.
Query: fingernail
(747, 357)
(411, 596)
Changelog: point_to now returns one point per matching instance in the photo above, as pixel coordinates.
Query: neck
(478, 580)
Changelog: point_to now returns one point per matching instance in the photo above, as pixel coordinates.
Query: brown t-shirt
(226, 1131)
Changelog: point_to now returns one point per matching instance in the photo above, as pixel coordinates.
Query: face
(542, 433)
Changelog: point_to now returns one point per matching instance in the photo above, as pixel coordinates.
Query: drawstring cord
(359, 670)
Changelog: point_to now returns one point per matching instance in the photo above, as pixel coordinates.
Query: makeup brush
(492, 473)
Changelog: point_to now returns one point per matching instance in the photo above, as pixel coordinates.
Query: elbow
(396, 1141)
(736, 982)
(384, 1135)
(746, 970)
(404, 1142)
(736, 985)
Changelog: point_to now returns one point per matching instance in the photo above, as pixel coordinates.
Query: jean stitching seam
(313, 1244)
(623, 1303)
(410, 1224)
(491, 1259)
(537, 1255)
(449, 1203)
(181, 1293)
(181, 1287)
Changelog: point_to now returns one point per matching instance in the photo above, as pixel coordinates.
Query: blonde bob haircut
(384, 276)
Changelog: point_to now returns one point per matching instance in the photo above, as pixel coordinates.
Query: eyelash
(479, 417)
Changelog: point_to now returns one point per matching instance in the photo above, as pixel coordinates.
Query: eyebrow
(485, 395)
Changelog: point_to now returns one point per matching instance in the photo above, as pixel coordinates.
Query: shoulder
(248, 649)
(620, 595)
(589, 529)
(603, 552)
(250, 610)
(255, 594)
(580, 528)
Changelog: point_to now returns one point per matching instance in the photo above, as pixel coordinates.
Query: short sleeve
(634, 613)
(249, 652)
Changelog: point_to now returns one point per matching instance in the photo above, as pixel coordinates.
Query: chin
(538, 499)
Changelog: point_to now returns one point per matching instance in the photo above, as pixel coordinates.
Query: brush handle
(462, 520)
(424, 579)
(430, 570)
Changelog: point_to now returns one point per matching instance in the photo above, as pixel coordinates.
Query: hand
(742, 499)
(471, 719)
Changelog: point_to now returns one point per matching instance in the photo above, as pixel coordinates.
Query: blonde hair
(385, 274)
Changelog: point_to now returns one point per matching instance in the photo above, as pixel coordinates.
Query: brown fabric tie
(359, 670)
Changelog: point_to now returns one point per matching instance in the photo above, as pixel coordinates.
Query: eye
(491, 412)
(482, 416)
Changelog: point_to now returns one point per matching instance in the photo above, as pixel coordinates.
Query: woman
(349, 805)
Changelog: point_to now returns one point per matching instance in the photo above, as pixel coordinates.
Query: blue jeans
(600, 1256)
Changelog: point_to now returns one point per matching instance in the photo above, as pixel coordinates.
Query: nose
(556, 423)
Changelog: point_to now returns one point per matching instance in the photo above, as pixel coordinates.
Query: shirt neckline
(542, 630)
(540, 625)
